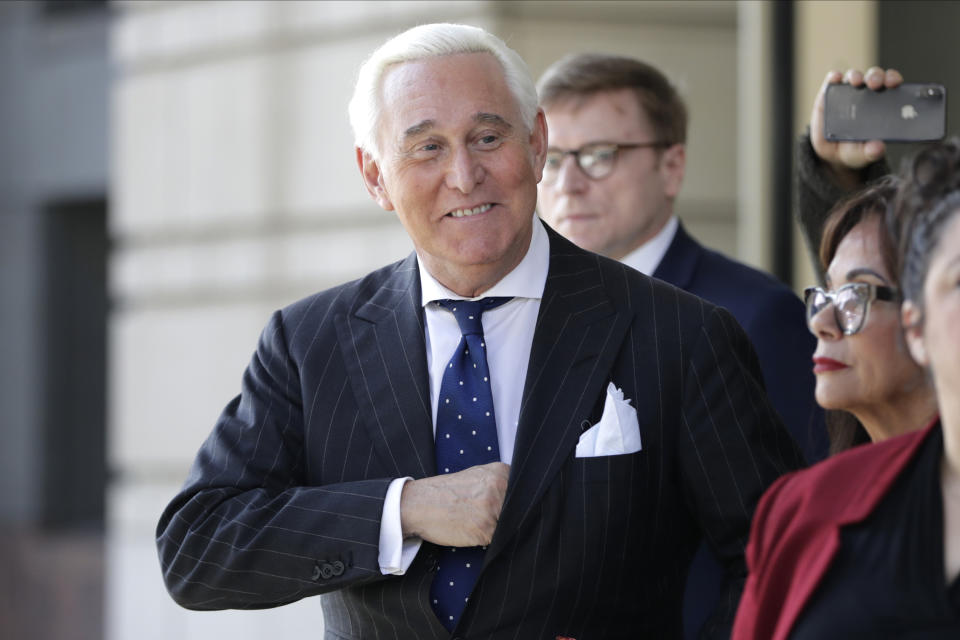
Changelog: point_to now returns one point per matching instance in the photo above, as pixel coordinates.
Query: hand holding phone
(909, 112)
(843, 160)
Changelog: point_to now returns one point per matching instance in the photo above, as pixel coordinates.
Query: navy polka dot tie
(466, 437)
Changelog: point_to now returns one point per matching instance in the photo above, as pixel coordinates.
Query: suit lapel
(578, 335)
(383, 346)
(680, 261)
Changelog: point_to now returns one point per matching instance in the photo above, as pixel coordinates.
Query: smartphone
(912, 112)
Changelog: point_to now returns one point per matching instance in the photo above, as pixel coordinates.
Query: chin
(831, 398)
(834, 401)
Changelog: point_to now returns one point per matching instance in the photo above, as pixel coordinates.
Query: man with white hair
(502, 435)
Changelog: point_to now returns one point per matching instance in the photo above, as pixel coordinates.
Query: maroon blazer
(796, 529)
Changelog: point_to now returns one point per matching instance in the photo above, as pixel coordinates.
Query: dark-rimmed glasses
(851, 303)
(596, 159)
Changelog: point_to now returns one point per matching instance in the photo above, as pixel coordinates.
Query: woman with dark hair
(831, 202)
(867, 543)
(864, 373)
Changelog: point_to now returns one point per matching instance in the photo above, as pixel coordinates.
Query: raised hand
(845, 159)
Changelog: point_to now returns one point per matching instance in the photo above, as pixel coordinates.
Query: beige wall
(234, 192)
(829, 36)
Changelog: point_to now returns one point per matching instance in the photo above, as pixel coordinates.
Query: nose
(824, 324)
(464, 171)
(570, 178)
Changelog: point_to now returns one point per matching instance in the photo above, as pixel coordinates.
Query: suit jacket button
(337, 568)
(326, 571)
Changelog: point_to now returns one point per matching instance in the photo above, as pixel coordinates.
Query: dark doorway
(74, 400)
(923, 52)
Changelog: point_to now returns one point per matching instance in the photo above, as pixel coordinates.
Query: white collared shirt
(508, 333)
(646, 258)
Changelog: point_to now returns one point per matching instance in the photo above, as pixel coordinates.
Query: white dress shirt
(646, 258)
(508, 333)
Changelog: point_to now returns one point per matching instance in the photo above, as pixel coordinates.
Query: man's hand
(845, 159)
(455, 510)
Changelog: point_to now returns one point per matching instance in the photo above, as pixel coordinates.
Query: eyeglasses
(596, 160)
(851, 303)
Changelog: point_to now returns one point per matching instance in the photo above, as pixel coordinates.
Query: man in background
(615, 163)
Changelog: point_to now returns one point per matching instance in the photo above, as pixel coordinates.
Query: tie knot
(469, 312)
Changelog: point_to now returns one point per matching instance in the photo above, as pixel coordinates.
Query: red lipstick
(823, 365)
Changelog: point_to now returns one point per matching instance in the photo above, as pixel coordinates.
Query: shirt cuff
(396, 553)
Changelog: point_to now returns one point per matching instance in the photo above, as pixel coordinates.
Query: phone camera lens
(933, 92)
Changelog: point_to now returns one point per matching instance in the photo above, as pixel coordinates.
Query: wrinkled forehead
(442, 91)
(432, 75)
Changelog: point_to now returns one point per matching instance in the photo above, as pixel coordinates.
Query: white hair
(428, 41)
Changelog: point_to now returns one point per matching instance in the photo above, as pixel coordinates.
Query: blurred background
(171, 172)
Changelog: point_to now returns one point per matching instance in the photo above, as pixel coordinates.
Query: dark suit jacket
(796, 532)
(285, 497)
(775, 320)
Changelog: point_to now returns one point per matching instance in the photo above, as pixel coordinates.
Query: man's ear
(538, 143)
(373, 179)
(673, 166)
(912, 319)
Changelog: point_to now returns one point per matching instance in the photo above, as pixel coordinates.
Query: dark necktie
(466, 437)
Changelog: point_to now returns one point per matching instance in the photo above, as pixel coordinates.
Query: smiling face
(872, 368)
(458, 166)
(618, 213)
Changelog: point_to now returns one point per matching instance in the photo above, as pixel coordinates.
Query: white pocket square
(617, 432)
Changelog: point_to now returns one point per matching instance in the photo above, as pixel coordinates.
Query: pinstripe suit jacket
(285, 497)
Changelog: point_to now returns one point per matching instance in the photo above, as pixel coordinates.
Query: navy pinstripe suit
(284, 499)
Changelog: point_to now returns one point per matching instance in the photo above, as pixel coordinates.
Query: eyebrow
(864, 271)
(480, 117)
(591, 143)
(418, 128)
(492, 118)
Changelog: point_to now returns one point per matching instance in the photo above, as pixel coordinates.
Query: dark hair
(581, 75)
(873, 200)
(843, 429)
(928, 200)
